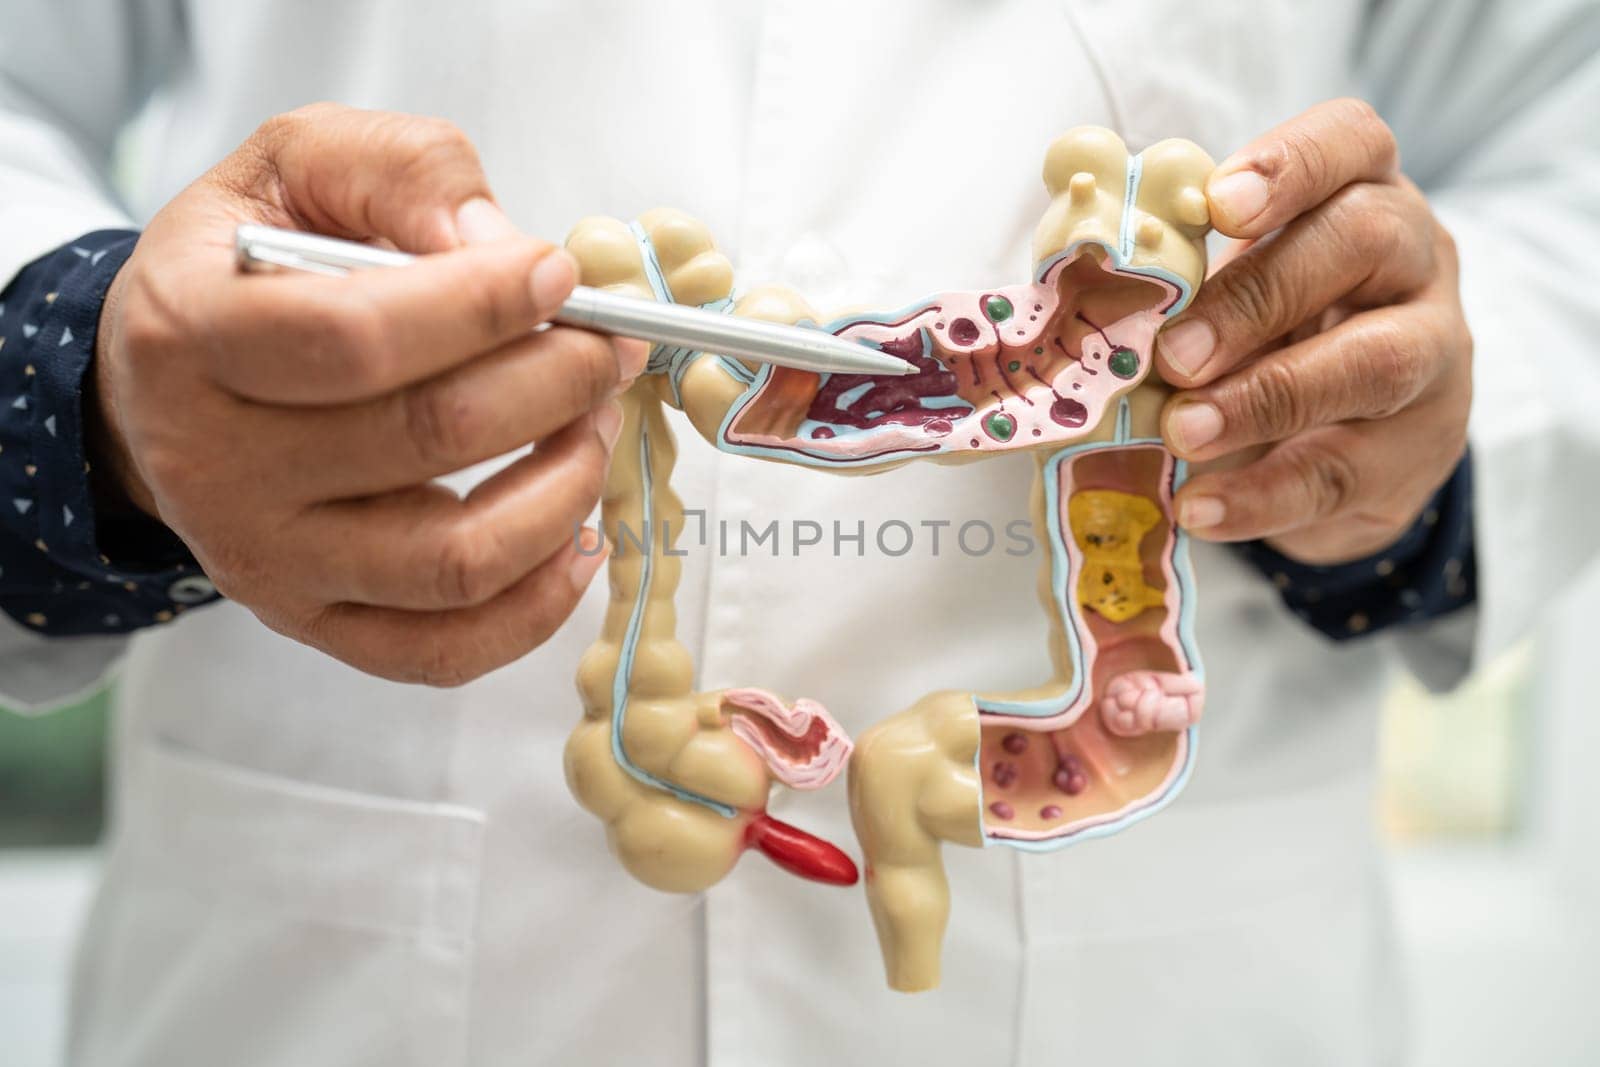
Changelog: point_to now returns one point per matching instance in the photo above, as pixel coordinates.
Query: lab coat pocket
(249, 918)
(1249, 931)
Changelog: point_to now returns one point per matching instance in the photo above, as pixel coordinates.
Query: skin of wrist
(113, 475)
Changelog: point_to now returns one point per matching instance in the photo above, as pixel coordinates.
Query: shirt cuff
(61, 573)
(1430, 572)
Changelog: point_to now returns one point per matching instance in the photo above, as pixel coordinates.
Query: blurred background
(1488, 801)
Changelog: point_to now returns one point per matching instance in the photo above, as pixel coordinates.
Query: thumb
(366, 175)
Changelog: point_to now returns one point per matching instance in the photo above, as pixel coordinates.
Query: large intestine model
(1059, 366)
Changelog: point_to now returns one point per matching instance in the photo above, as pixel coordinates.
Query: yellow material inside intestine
(1108, 526)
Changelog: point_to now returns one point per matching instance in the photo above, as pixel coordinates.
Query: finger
(365, 174)
(1368, 367)
(1368, 245)
(518, 394)
(308, 339)
(426, 550)
(1298, 165)
(453, 647)
(1368, 472)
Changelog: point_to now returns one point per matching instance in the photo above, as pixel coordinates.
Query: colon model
(1057, 367)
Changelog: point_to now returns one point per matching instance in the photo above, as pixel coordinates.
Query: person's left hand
(1327, 365)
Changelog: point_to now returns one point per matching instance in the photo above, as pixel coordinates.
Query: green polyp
(998, 308)
(1124, 362)
(1014, 366)
(1000, 426)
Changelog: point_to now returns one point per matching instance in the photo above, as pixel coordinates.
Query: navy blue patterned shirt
(1429, 572)
(64, 569)
(67, 569)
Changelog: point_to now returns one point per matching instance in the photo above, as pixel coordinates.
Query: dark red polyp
(963, 331)
(1069, 412)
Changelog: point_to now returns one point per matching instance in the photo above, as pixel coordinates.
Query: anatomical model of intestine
(1059, 366)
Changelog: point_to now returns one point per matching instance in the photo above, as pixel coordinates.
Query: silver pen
(263, 247)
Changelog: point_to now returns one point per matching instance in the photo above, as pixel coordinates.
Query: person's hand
(288, 426)
(1328, 365)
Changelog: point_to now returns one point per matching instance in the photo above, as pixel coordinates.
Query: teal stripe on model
(630, 643)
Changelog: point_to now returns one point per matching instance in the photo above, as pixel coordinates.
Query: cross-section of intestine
(1113, 744)
(997, 370)
(801, 744)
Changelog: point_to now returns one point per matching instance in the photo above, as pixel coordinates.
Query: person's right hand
(288, 426)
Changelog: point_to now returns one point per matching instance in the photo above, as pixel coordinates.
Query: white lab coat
(310, 866)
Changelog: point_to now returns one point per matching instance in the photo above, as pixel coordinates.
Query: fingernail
(1238, 197)
(553, 279)
(1200, 512)
(631, 357)
(480, 221)
(608, 422)
(1188, 345)
(591, 554)
(1194, 425)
